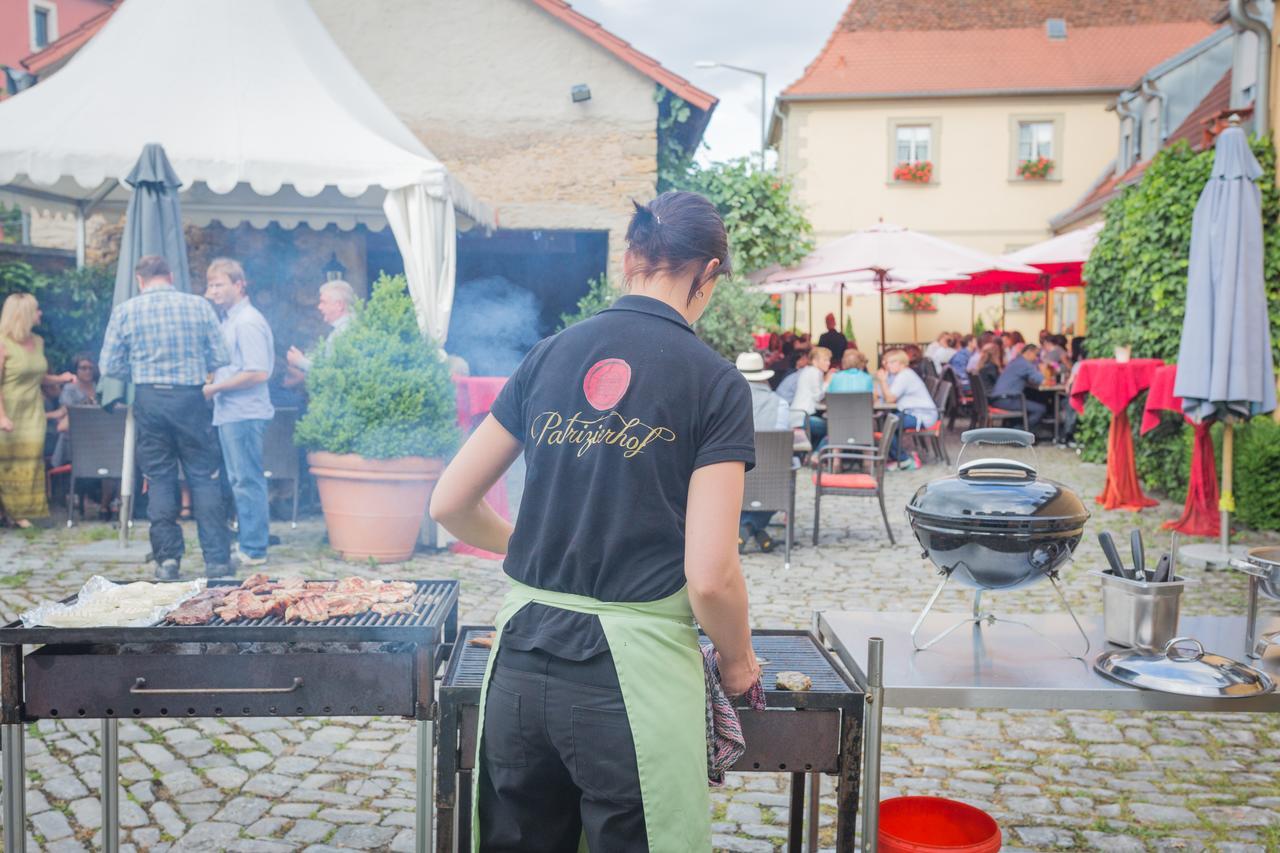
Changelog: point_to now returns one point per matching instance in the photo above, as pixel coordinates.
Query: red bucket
(935, 825)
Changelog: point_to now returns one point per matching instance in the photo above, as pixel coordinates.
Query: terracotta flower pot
(374, 507)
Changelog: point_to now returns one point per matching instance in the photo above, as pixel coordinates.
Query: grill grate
(433, 603)
(783, 650)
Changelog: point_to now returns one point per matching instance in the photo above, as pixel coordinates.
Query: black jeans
(558, 760)
(175, 426)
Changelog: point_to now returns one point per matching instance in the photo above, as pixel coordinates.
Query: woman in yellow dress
(23, 370)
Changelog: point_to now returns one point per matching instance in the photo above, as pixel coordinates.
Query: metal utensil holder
(1141, 615)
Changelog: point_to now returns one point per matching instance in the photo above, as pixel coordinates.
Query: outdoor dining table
(1005, 666)
(1200, 516)
(1115, 384)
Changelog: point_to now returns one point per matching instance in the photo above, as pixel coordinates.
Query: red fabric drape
(1122, 490)
(475, 396)
(1200, 513)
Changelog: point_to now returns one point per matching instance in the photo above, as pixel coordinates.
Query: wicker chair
(97, 449)
(771, 485)
(851, 419)
(854, 485)
(931, 438)
(280, 455)
(985, 415)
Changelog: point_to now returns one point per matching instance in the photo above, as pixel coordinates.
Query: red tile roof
(64, 47)
(868, 63)
(1002, 14)
(643, 63)
(1195, 127)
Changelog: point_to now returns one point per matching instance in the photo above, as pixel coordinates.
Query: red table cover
(475, 396)
(762, 340)
(1115, 384)
(1200, 515)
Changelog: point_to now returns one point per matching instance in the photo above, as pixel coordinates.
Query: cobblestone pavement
(1054, 781)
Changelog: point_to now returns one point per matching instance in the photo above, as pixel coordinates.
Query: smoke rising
(494, 323)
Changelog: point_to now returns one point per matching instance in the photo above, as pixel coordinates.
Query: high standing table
(1004, 665)
(1115, 384)
(1200, 516)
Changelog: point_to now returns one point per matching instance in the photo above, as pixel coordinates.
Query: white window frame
(51, 11)
(934, 126)
(1016, 123)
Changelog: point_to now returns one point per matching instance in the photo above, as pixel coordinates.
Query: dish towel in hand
(725, 743)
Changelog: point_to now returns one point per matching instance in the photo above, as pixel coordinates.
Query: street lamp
(764, 104)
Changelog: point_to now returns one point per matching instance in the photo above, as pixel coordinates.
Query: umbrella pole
(1227, 502)
(1002, 317)
(126, 477)
(1046, 301)
(841, 309)
(973, 313)
(880, 276)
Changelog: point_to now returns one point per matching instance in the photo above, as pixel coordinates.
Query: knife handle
(1113, 556)
(1139, 554)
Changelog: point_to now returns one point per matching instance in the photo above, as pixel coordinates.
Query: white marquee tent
(264, 120)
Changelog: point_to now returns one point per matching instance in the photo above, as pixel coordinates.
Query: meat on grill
(346, 605)
(394, 591)
(193, 612)
(255, 580)
(295, 582)
(308, 610)
(355, 583)
(384, 608)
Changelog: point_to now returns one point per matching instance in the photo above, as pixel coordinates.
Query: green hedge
(76, 304)
(1137, 278)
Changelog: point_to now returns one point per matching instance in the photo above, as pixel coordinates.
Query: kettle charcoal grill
(363, 665)
(1262, 565)
(996, 525)
(814, 732)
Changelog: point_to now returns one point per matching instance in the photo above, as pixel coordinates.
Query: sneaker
(240, 557)
(916, 461)
(745, 531)
(764, 540)
(907, 464)
(167, 571)
(220, 570)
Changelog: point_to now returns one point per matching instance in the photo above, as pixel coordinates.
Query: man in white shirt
(337, 298)
(768, 412)
(898, 384)
(941, 350)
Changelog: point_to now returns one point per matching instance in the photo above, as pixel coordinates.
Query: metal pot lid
(998, 494)
(1184, 667)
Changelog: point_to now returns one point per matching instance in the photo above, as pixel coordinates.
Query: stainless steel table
(1004, 665)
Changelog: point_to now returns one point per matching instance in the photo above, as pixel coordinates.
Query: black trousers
(175, 427)
(557, 758)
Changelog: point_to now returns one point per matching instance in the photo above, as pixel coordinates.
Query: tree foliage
(382, 390)
(1137, 291)
(76, 304)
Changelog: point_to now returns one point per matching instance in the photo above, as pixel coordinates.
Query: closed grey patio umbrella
(1224, 362)
(152, 226)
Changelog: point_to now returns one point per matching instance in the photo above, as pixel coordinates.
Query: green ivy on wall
(1137, 291)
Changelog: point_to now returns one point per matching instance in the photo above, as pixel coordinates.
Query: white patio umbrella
(892, 259)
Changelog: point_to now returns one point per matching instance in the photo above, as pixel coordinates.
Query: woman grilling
(636, 437)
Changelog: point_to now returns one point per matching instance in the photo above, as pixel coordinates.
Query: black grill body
(814, 732)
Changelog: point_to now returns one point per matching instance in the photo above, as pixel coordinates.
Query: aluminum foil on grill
(103, 604)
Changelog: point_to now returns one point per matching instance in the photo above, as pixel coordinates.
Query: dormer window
(1056, 28)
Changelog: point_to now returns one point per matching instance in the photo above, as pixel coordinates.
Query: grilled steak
(294, 582)
(347, 605)
(308, 610)
(255, 580)
(355, 584)
(320, 586)
(394, 591)
(192, 613)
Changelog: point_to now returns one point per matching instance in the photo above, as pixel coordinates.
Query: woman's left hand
(64, 378)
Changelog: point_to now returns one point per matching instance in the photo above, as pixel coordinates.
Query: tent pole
(82, 237)
(1227, 502)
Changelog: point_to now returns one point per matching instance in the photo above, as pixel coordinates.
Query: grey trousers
(557, 760)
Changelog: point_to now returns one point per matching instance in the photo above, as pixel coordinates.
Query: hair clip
(656, 217)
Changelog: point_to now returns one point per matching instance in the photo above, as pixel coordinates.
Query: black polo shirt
(615, 414)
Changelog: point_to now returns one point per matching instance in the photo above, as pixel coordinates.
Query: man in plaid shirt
(168, 343)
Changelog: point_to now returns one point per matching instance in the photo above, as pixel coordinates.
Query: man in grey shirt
(242, 404)
(1018, 375)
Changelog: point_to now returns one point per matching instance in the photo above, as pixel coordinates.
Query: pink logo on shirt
(606, 383)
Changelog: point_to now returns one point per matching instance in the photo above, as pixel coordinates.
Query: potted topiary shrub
(381, 420)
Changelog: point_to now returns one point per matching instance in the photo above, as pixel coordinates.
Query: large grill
(363, 665)
(815, 732)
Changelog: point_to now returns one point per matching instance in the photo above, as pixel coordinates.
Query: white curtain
(425, 230)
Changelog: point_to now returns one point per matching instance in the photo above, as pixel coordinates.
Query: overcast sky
(776, 37)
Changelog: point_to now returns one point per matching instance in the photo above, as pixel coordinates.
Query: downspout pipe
(1124, 109)
(1149, 90)
(1262, 90)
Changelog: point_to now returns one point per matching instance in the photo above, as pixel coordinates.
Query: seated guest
(811, 388)
(960, 362)
(82, 392)
(768, 412)
(786, 387)
(983, 339)
(899, 385)
(1020, 374)
(853, 377)
(915, 356)
(1013, 343)
(941, 350)
(1077, 349)
(990, 363)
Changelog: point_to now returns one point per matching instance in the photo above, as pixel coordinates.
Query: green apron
(659, 664)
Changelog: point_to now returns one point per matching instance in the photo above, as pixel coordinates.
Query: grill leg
(110, 783)
(795, 823)
(815, 801)
(426, 778)
(15, 807)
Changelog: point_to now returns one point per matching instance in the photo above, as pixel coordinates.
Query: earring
(699, 294)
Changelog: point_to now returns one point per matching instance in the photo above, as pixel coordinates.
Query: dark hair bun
(678, 233)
